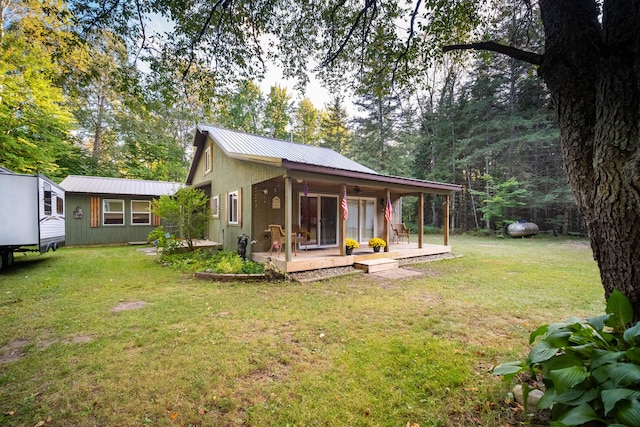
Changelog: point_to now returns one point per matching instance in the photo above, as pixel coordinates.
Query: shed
(111, 210)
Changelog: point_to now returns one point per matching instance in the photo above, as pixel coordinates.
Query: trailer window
(47, 198)
(112, 212)
(141, 212)
(59, 205)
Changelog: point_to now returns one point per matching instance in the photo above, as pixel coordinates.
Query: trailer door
(18, 210)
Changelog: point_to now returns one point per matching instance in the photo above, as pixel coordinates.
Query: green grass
(352, 351)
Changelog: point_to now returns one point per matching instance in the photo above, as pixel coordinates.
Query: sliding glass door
(361, 221)
(319, 216)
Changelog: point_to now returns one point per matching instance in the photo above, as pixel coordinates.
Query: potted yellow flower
(351, 245)
(376, 243)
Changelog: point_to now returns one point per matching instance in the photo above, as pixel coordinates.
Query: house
(253, 182)
(111, 210)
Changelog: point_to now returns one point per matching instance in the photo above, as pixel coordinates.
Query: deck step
(375, 265)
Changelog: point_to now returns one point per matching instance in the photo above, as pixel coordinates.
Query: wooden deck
(314, 259)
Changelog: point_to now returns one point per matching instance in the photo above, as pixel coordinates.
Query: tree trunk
(593, 73)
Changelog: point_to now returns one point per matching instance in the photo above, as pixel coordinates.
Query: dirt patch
(12, 351)
(16, 350)
(125, 306)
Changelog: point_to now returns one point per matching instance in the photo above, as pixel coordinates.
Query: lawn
(108, 337)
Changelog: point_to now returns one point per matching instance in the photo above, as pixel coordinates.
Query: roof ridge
(126, 179)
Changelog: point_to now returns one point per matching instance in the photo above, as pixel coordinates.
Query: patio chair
(400, 231)
(302, 236)
(278, 239)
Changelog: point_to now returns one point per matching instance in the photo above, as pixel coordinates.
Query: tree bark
(593, 73)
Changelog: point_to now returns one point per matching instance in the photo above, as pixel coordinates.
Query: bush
(226, 262)
(590, 368)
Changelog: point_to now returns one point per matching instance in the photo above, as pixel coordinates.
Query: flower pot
(349, 251)
(376, 249)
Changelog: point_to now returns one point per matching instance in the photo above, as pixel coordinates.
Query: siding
(80, 231)
(228, 175)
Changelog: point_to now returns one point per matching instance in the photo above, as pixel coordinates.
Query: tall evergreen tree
(334, 130)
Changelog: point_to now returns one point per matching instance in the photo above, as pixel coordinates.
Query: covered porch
(314, 259)
(315, 209)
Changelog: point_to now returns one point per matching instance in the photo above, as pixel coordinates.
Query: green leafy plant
(377, 242)
(353, 244)
(590, 368)
(213, 261)
(187, 210)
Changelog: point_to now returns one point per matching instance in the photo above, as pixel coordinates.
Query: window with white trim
(112, 212)
(233, 208)
(215, 206)
(207, 160)
(140, 212)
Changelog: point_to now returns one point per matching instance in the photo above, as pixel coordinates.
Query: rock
(532, 399)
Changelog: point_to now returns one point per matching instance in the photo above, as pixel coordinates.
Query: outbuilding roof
(120, 186)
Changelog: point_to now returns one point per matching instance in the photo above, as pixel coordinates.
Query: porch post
(446, 220)
(420, 219)
(288, 206)
(387, 196)
(343, 224)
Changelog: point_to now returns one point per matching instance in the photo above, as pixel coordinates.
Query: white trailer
(31, 215)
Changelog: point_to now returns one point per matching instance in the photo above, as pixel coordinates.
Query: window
(215, 206)
(59, 205)
(233, 208)
(47, 198)
(112, 212)
(207, 160)
(140, 212)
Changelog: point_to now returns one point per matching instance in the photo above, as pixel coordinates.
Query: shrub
(590, 368)
(226, 262)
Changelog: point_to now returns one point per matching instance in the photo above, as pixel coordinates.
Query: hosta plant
(590, 368)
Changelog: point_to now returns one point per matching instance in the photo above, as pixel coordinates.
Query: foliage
(187, 211)
(277, 113)
(501, 196)
(376, 242)
(226, 262)
(160, 235)
(35, 118)
(306, 123)
(243, 108)
(350, 243)
(591, 368)
(334, 132)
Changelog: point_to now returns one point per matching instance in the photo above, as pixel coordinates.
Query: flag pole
(387, 220)
(343, 221)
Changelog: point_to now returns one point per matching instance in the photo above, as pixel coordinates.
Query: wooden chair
(278, 239)
(400, 232)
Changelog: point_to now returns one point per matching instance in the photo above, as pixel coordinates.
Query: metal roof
(259, 148)
(128, 187)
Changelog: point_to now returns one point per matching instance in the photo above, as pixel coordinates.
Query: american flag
(387, 210)
(345, 209)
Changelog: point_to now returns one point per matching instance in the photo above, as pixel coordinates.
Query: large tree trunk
(593, 73)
